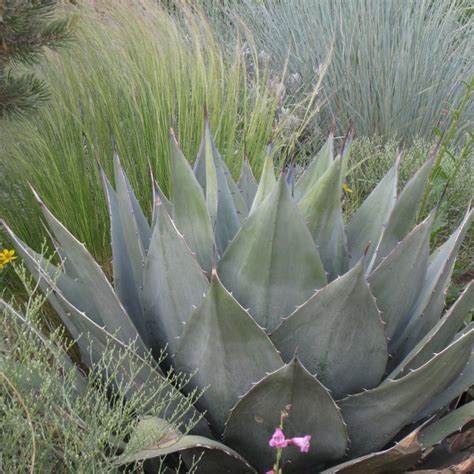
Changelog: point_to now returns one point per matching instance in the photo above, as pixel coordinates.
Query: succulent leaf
(272, 265)
(240, 204)
(135, 225)
(173, 283)
(113, 314)
(404, 455)
(212, 187)
(220, 339)
(127, 253)
(322, 209)
(397, 281)
(47, 276)
(214, 460)
(375, 416)
(159, 197)
(430, 303)
(189, 208)
(155, 437)
(403, 215)
(316, 169)
(454, 421)
(267, 180)
(226, 206)
(66, 266)
(440, 336)
(247, 184)
(228, 219)
(291, 176)
(462, 383)
(339, 335)
(312, 412)
(367, 224)
(50, 276)
(75, 319)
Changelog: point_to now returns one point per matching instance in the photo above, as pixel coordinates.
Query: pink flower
(278, 439)
(302, 443)
(270, 472)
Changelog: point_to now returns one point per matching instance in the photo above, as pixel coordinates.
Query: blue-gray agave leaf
(403, 215)
(173, 284)
(447, 425)
(463, 382)
(127, 260)
(367, 224)
(267, 180)
(339, 335)
(224, 201)
(440, 336)
(135, 225)
(403, 455)
(159, 197)
(189, 208)
(322, 209)
(272, 265)
(227, 350)
(316, 169)
(429, 305)
(155, 437)
(49, 276)
(311, 411)
(397, 281)
(148, 379)
(247, 184)
(113, 314)
(375, 416)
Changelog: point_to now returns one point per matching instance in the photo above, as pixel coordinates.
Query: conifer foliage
(27, 27)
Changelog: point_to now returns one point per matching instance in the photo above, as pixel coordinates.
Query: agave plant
(266, 296)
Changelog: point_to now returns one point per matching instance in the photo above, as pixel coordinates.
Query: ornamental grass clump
(265, 295)
(134, 70)
(394, 65)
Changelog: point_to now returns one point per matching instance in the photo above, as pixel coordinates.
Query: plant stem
(444, 144)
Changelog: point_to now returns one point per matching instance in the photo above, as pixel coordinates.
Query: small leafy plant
(58, 417)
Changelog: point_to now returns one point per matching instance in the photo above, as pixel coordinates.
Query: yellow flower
(346, 188)
(6, 257)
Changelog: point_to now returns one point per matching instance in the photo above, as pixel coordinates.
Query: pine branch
(27, 27)
(20, 95)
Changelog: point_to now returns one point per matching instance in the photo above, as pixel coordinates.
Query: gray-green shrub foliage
(55, 418)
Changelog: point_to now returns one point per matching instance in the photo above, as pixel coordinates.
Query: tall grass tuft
(134, 71)
(395, 64)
